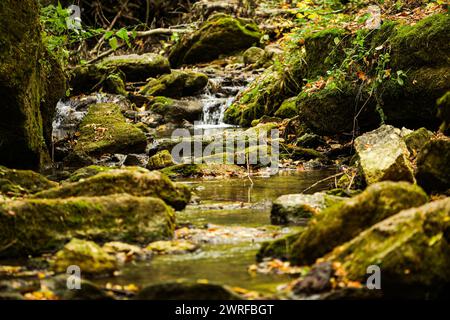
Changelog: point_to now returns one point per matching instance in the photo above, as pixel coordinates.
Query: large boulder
(383, 155)
(221, 34)
(105, 130)
(412, 249)
(31, 83)
(137, 182)
(132, 67)
(187, 291)
(433, 165)
(298, 208)
(36, 226)
(19, 182)
(87, 255)
(176, 84)
(343, 221)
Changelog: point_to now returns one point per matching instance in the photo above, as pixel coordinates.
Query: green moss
(176, 84)
(444, 112)
(87, 172)
(277, 249)
(87, 255)
(43, 225)
(219, 35)
(288, 109)
(417, 139)
(343, 221)
(160, 160)
(105, 130)
(411, 248)
(137, 181)
(203, 170)
(20, 182)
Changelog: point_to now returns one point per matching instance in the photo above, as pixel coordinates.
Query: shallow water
(240, 215)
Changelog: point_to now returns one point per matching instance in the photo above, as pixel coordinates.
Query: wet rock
(87, 255)
(298, 208)
(20, 182)
(36, 226)
(176, 111)
(444, 112)
(176, 84)
(161, 160)
(310, 140)
(139, 160)
(87, 172)
(411, 248)
(134, 181)
(125, 252)
(433, 169)
(384, 156)
(317, 280)
(417, 139)
(187, 291)
(105, 130)
(31, 83)
(133, 67)
(220, 35)
(342, 222)
(277, 249)
(204, 171)
(172, 247)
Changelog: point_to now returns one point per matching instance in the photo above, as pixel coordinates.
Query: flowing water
(234, 216)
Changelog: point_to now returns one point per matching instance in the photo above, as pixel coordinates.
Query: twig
(323, 180)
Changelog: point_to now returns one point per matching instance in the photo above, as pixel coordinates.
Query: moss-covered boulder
(31, 83)
(162, 159)
(277, 249)
(105, 130)
(36, 226)
(172, 110)
(176, 84)
(343, 221)
(220, 35)
(298, 208)
(253, 55)
(187, 291)
(383, 155)
(433, 169)
(138, 182)
(19, 182)
(411, 248)
(444, 112)
(130, 68)
(87, 255)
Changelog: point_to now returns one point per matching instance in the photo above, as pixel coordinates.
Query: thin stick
(323, 180)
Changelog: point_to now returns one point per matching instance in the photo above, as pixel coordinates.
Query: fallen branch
(323, 180)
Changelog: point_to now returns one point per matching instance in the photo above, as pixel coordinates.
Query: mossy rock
(187, 291)
(433, 169)
(138, 182)
(88, 291)
(411, 248)
(277, 249)
(131, 68)
(417, 139)
(253, 55)
(220, 35)
(176, 111)
(87, 255)
(340, 223)
(19, 182)
(176, 84)
(383, 155)
(171, 247)
(31, 83)
(87, 172)
(298, 208)
(161, 160)
(105, 130)
(444, 112)
(288, 109)
(204, 170)
(36, 226)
